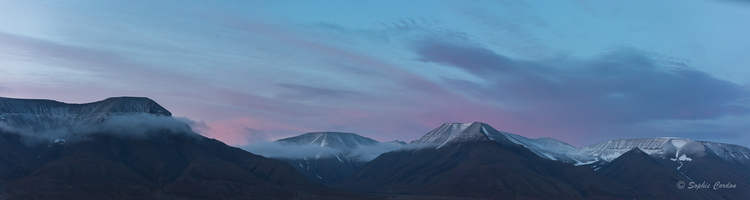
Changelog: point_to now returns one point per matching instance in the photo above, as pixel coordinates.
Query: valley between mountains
(132, 148)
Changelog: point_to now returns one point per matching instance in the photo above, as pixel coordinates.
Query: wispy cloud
(248, 70)
(307, 92)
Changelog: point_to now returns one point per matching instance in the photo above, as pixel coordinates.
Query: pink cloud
(239, 131)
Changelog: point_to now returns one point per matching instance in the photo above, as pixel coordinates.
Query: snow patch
(611, 157)
(549, 156)
(683, 157)
(337, 157)
(678, 143)
(487, 134)
(579, 163)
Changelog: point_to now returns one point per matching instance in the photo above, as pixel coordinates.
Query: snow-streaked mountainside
(48, 114)
(327, 157)
(547, 148)
(675, 149)
(344, 142)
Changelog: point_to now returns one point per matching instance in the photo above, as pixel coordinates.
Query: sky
(245, 72)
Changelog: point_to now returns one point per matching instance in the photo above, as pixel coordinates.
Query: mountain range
(475, 160)
(131, 148)
(162, 162)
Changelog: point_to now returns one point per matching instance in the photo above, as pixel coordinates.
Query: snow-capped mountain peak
(336, 140)
(545, 147)
(454, 132)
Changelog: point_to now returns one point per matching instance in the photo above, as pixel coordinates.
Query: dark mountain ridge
(469, 162)
(158, 164)
(474, 160)
(147, 154)
(113, 105)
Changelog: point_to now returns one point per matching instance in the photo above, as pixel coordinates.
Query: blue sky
(579, 71)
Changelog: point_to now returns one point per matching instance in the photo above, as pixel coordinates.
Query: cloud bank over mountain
(129, 125)
(278, 150)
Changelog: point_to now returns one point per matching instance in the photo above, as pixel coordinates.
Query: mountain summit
(339, 154)
(113, 105)
(455, 132)
(41, 114)
(340, 141)
(544, 147)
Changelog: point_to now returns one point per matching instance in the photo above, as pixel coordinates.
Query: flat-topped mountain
(674, 149)
(345, 142)
(339, 154)
(48, 114)
(114, 105)
(653, 178)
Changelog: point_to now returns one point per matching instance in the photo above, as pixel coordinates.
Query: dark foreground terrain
(162, 165)
(129, 148)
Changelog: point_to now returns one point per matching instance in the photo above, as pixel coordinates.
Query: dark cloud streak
(619, 88)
